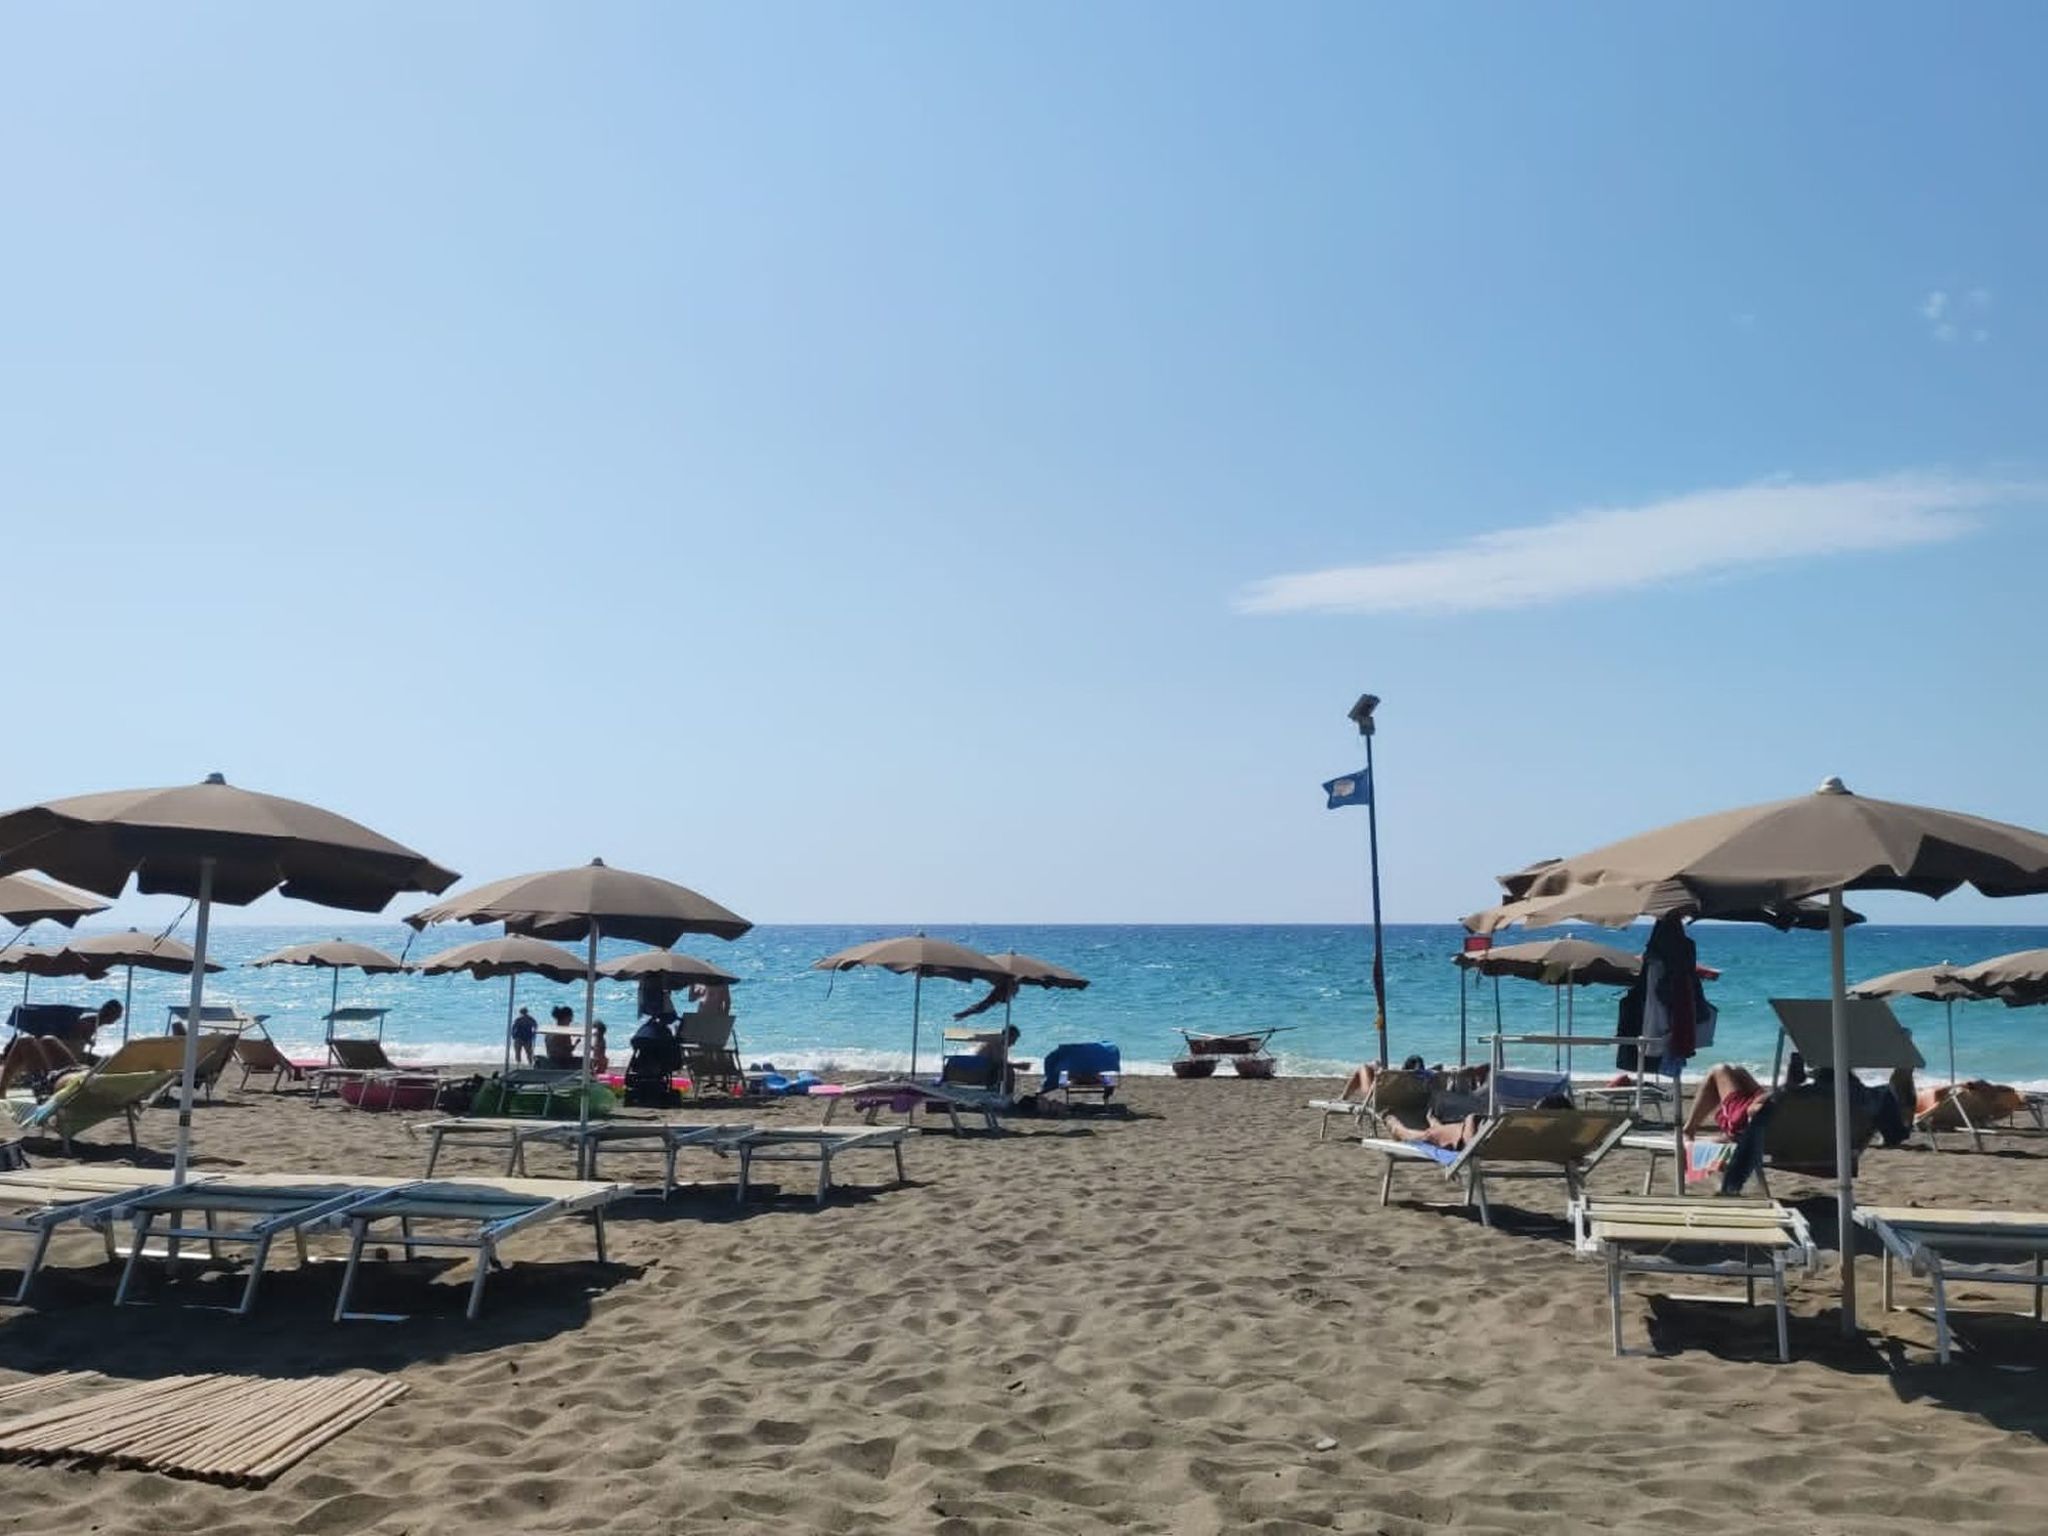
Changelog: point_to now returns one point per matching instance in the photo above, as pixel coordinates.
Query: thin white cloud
(1622, 549)
(1978, 298)
(1944, 332)
(1935, 305)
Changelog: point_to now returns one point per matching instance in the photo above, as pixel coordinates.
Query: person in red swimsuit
(1728, 1096)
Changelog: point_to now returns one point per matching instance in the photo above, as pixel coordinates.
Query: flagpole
(1361, 715)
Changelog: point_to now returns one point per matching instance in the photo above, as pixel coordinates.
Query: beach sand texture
(1194, 1320)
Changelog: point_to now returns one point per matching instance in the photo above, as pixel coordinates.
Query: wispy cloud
(1621, 549)
(1949, 318)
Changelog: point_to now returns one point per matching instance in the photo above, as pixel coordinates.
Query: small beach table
(816, 1143)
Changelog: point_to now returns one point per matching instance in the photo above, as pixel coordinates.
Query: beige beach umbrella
(1931, 983)
(1620, 903)
(1828, 842)
(2019, 979)
(135, 951)
(917, 956)
(589, 902)
(335, 955)
(512, 957)
(1030, 971)
(25, 899)
(212, 842)
(677, 970)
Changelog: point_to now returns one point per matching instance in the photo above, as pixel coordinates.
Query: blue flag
(1352, 789)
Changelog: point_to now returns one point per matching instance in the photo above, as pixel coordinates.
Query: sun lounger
(37, 1201)
(490, 1132)
(669, 1138)
(710, 1056)
(166, 1053)
(815, 1143)
(1970, 1246)
(1800, 1138)
(466, 1215)
(88, 1098)
(270, 1206)
(258, 1056)
(1395, 1095)
(906, 1097)
(1750, 1240)
(1975, 1112)
(1519, 1143)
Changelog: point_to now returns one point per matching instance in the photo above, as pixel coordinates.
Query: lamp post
(1361, 715)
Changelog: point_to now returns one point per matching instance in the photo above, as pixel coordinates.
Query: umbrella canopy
(52, 960)
(212, 842)
(335, 955)
(246, 843)
(1829, 841)
(1620, 903)
(141, 951)
(24, 900)
(593, 897)
(513, 955)
(677, 970)
(1934, 983)
(915, 955)
(1558, 963)
(1029, 971)
(2019, 979)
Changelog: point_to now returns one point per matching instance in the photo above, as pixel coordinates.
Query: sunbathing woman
(1451, 1135)
(1729, 1095)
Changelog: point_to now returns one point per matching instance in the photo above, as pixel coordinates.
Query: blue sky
(842, 457)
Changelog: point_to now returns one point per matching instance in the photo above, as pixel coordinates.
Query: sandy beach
(1192, 1319)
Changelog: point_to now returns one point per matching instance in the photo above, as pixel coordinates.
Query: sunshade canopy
(52, 960)
(146, 952)
(25, 899)
(1558, 963)
(1033, 972)
(1935, 983)
(513, 955)
(337, 955)
(1619, 903)
(678, 970)
(1765, 855)
(256, 844)
(2020, 978)
(571, 903)
(917, 955)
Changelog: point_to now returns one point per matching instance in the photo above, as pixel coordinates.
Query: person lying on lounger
(1359, 1084)
(1728, 1095)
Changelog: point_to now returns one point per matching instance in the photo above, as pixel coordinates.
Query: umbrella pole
(128, 1006)
(334, 1002)
(1951, 1004)
(1462, 978)
(1571, 998)
(1556, 1018)
(1845, 1180)
(916, 1008)
(183, 1156)
(589, 1013)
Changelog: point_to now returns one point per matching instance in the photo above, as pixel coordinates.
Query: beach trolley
(1245, 1051)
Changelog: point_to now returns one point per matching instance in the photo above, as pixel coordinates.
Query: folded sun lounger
(1750, 1240)
(1518, 1143)
(1972, 1246)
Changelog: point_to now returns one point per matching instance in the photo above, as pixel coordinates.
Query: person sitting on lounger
(74, 1026)
(35, 1063)
(1729, 1096)
(561, 1041)
(1451, 1135)
(994, 1053)
(1359, 1084)
(1890, 1108)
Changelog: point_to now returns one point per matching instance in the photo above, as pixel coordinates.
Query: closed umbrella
(588, 902)
(136, 950)
(1931, 983)
(512, 957)
(335, 955)
(1826, 842)
(917, 956)
(212, 842)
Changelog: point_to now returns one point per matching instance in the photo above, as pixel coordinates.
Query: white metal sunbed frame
(36, 1202)
(1636, 1235)
(815, 1143)
(873, 1098)
(670, 1138)
(1959, 1245)
(1512, 1145)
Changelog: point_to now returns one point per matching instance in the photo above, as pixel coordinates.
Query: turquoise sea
(1147, 983)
